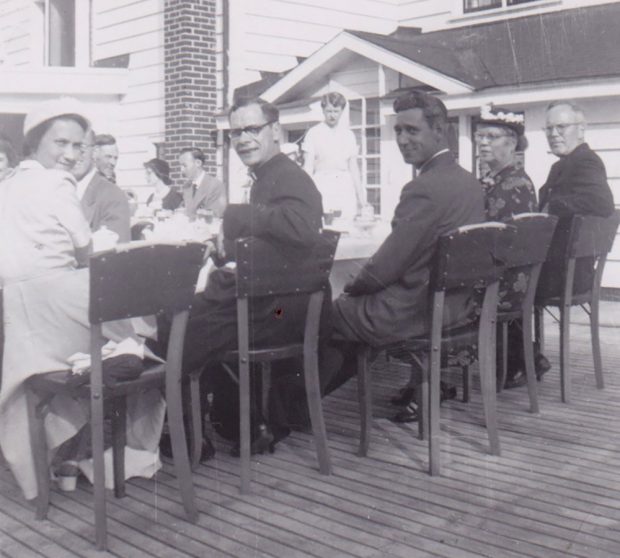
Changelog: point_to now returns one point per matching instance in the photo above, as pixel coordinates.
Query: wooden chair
(126, 282)
(470, 259)
(517, 290)
(572, 276)
(262, 272)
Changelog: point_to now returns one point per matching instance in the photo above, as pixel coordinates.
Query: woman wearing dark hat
(158, 176)
(508, 192)
(508, 189)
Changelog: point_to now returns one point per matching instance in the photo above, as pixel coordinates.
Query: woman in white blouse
(330, 157)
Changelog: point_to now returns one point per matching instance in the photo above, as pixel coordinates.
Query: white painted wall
(269, 35)
(135, 28)
(21, 27)
(432, 15)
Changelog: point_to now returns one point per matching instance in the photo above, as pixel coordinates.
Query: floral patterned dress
(507, 193)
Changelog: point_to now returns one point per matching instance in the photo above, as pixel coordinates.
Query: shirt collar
(198, 180)
(432, 158)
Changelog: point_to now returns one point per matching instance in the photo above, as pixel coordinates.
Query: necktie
(194, 188)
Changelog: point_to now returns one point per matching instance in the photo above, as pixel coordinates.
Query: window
(470, 6)
(365, 123)
(59, 32)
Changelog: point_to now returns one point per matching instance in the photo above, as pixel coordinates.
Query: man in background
(103, 203)
(200, 191)
(105, 155)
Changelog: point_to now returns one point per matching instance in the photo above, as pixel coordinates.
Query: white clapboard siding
(16, 28)
(432, 15)
(275, 32)
(360, 79)
(135, 28)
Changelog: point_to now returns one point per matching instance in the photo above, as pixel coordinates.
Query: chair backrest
(524, 260)
(531, 243)
(263, 271)
(471, 256)
(592, 236)
(143, 278)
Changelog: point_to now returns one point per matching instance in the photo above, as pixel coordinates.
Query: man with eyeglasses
(104, 204)
(285, 210)
(577, 183)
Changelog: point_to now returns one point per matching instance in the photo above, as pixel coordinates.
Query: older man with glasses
(576, 185)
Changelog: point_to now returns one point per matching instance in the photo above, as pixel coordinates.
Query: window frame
(363, 156)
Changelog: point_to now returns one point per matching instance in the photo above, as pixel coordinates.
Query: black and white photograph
(310, 278)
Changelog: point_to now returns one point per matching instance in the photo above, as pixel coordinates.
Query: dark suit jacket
(388, 299)
(210, 194)
(285, 209)
(106, 204)
(577, 184)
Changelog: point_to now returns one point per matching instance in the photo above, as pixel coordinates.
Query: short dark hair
(197, 153)
(104, 139)
(7, 148)
(434, 111)
(33, 137)
(269, 110)
(333, 98)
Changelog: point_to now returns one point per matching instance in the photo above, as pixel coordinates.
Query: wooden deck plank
(553, 493)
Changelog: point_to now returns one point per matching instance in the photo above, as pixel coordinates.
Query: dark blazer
(388, 299)
(210, 194)
(106, 204)
(577, 184)
(285, 209)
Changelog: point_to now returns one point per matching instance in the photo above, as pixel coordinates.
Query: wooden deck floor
(553, 493)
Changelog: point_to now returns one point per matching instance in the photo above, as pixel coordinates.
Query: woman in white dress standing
(330, 158)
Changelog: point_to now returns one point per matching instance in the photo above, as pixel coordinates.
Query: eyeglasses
(492, 136)
(252, 131)
(561, 128)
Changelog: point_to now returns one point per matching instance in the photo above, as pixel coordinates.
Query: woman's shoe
(408, 414)
(516, 380)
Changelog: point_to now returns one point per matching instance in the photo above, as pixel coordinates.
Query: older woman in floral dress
(508, 191)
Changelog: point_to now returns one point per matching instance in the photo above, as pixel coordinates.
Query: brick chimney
(190, 83)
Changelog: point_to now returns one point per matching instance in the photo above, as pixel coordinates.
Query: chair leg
(565, 372)
(265, 389)
(180, 453)
(528, 355)
(504, 347)
(39, 453)
(422, 401)
(244, 425)
(315, 407)
(196, 420)
(119, 440)
(539, 329)
(487, 359)
(364, 394)
(596, 343)
(433, 402)
(466, 379)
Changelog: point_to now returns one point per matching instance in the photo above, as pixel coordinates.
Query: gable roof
(578, 43)
(572, 44)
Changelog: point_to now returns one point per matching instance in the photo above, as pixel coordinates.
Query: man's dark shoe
(541, 364)
(518, 379)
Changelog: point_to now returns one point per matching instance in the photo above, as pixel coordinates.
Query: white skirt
(338, 192)
(46, 321)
